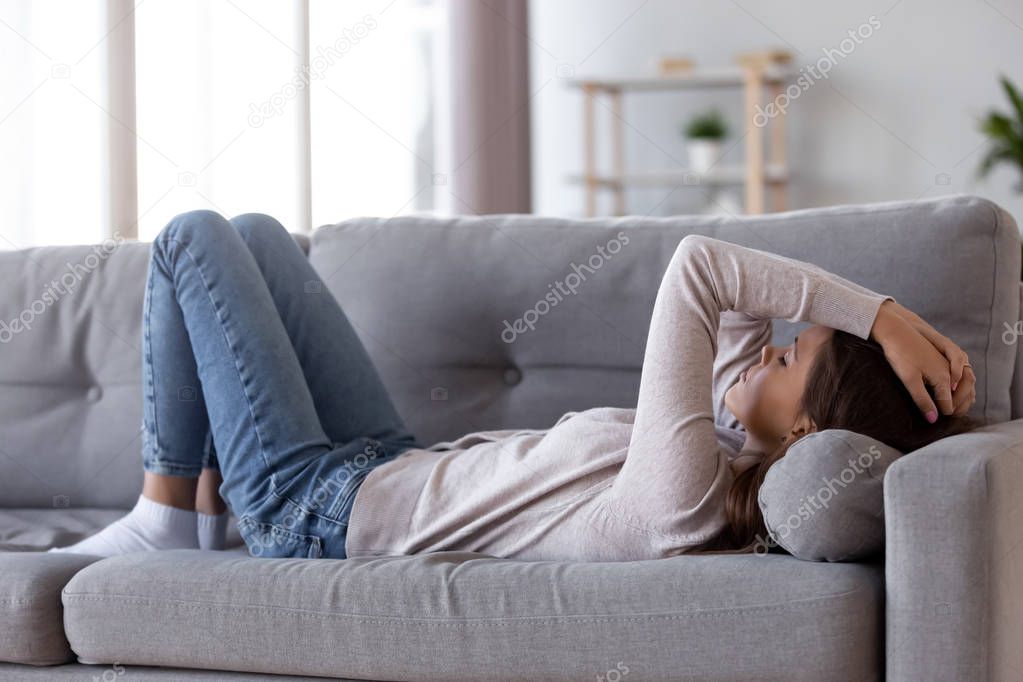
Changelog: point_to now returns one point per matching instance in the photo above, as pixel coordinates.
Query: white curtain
(52, 124)
(310, 110)
(490, 95)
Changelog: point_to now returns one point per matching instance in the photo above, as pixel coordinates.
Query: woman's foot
(211, 509)
(149, 526)
(212, 530)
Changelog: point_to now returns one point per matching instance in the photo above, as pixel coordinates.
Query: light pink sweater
(608, 483)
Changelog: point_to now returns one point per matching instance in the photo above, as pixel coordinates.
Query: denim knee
(190, 227)
(263, 232)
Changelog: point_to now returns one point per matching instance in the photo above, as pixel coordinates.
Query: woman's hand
(921, 356)
(964, 381)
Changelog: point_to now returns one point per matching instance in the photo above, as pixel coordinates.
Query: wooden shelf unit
(758, 173)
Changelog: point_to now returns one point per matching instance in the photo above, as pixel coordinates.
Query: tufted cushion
(70, 382)
(824, 500)
(488, 322)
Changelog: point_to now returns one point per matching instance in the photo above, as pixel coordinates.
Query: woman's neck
(752, 443)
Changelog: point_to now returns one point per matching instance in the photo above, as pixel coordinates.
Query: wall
(895, 112)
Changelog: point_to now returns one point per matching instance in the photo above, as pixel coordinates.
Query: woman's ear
(800, 428)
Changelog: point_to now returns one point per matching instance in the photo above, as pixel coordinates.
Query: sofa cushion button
(512, 376)
(94, 394)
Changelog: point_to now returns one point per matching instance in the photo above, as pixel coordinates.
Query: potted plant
(1005, 135)
(704, 134)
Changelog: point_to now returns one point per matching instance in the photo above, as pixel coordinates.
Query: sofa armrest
(954, 558)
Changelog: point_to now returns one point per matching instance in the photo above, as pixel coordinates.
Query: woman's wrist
(887, 316)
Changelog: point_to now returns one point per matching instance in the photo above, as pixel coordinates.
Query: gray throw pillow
(824, 500)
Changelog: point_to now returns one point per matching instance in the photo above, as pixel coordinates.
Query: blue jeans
(250, 365)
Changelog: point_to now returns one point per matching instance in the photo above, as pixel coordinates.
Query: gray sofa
(430, 298)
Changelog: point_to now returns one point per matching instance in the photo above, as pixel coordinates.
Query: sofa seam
(721, 613)
(853, 209)
(986, 625)
(991, 314)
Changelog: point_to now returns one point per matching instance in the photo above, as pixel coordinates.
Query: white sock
(149, 526)
(212, 530)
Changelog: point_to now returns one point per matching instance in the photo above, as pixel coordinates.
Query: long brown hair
(850, 386)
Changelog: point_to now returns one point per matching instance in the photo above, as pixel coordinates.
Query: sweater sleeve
(740, 338)
(675, 475)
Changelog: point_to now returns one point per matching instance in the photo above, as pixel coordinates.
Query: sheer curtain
(53, 127)
(310, 110)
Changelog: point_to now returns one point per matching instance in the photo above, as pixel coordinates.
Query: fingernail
(954, 385)
(932, 416)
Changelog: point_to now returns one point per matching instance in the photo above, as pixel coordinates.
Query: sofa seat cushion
(31, 613)
(465, 616)
(77, 672)
(31, 530)
(23, 530)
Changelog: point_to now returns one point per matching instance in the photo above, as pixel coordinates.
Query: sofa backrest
(70, 374)
(70, 410)
(437, 299)
(474, 322)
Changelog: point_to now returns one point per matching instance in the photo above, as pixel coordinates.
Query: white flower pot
(703, 154)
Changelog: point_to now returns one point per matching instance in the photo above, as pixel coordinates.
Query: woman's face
(766, 399)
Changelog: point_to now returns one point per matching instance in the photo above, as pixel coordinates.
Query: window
(229, 115)
(52, 126)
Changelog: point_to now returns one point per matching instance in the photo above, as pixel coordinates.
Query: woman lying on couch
(251, 367)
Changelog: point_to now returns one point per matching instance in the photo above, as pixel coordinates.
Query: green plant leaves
(1005, 135)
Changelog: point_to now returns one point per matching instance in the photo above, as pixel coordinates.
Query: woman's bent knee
(259, 229)
(192, 225)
